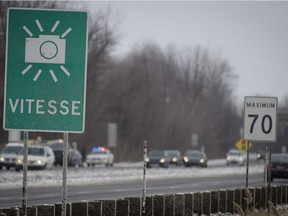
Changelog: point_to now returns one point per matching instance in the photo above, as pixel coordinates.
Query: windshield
(194, 154)
(156, 153)
(56, 146)
(36, 151)
(234, 153)
(99, 152)
(279, 158)
(173, 153)
(12, 149)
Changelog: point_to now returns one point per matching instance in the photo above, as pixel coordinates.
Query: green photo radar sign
(45, 80)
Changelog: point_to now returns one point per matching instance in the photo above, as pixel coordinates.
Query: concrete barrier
(168, 204)
(201, 203)
(188, 204)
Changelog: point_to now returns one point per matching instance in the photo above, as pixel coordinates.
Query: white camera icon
(45, 49)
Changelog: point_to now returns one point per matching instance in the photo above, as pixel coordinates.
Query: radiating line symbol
(28, 31)
(26, 69)
(66, 32)
(39, 25)
(65, 70)
(55, 26)
(48, 48)
(53, 75)
(37, 75)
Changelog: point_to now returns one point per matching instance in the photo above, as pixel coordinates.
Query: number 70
(264, 119)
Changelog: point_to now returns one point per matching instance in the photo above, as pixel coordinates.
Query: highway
(113, 190)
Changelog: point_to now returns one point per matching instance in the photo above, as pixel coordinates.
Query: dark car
(195, 158)
(279, 166)
(175, 157)
(157, 157)
(57, 147)
(74, 156)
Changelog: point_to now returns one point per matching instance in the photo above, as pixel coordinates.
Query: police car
(100, 155)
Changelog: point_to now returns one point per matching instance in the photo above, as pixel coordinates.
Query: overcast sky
(253, 36)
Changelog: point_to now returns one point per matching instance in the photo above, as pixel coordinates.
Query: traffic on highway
(125, 179)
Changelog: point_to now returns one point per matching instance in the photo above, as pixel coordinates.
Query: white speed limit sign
(260, 118)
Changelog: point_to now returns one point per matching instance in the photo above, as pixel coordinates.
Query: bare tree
(160, 96)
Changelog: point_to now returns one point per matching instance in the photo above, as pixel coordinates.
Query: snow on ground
(120, 172)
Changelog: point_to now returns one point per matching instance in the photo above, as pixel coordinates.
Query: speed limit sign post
(260, 124)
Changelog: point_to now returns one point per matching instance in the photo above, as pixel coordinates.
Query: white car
(9, 154)
(235, 156)
(100, 155)
(39, 157)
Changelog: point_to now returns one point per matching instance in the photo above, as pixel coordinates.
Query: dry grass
(251, 211)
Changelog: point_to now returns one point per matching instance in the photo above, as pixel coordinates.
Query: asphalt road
(43, 195)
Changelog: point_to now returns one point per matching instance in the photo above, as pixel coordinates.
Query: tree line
(163, 95)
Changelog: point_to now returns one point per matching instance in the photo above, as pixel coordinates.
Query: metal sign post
(64, 178)
(25, 169)
(269, 173)
(144, 177)
(247, 162)
(267, 150)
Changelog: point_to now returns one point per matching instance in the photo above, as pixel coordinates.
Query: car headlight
(186, 159)
(39, 162)
(202, 160)
(174, 159)
(2, 159)
(228, 158)
(19, 161)
(240, 159)
(162, 160)
(147, 160)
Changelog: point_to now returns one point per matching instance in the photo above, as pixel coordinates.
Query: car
(195, 158)
(9, 154)
(174, 157)
(57, 147)
(157, 157)
(279, 166)
(39, 157)
(74, 156)
(235, 156)
(260, 156)
(100, 156)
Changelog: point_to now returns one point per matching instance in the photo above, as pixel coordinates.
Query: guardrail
(205, 203)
